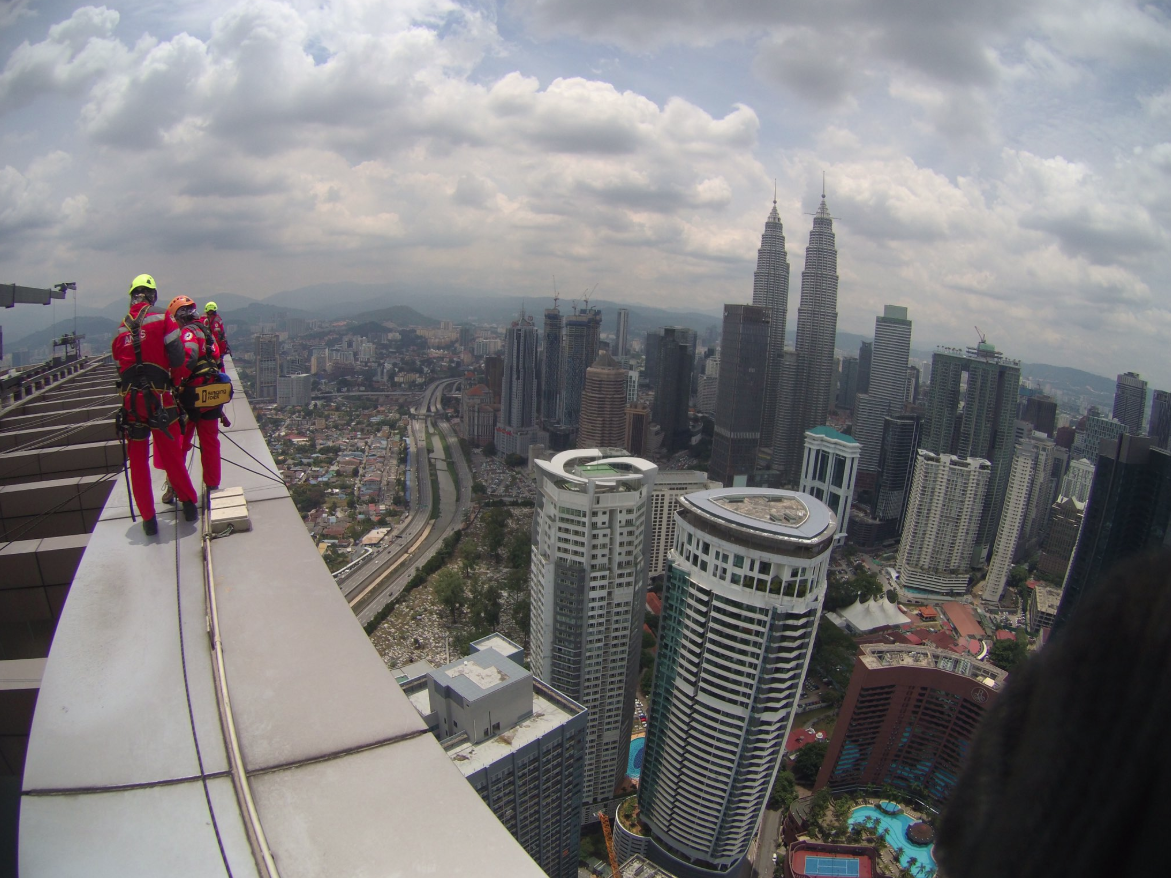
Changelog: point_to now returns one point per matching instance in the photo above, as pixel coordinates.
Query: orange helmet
(178, 303)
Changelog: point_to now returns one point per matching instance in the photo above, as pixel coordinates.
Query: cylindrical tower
(744, 589)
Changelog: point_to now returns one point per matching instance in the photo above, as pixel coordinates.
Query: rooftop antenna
(774, 191)
(555, 295)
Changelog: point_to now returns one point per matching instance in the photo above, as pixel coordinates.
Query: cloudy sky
(1005, 163)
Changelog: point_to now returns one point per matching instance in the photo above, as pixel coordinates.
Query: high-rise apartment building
(1129, 511)
(1160, 429)
(651, 355)
(975, 420)
(673, 386)
(1041, 412)
(603, 405)
(620, 336)
(516, 426)
(494, 376)
(588, 586)
(1079, 478)
(744, 352)
(896, 464)
(743, 594)
(1016, 504)
(941, 522)
(847, 383)
(519, 743)
(579, 349)
(1130, 401)
(294, 389)
(817, 327)
(636, 438)
(1043, 490)
(477, 415)
(709, 383)
(770, 291)
(1065, 521)
(886, 395)
(908, 720)
(828, 472)
(267, 347)
(551, 365)
(1089, 438)
(670, 485)
(865, 353)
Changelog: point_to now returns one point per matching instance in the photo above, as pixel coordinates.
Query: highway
(372, 585)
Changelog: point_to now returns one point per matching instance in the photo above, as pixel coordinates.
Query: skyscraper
(621, 334)
(770, 291)
(1065, 521)
(976, 422)
(651, 353)
(638, 428)
(1130, 401)
(551, 365)
(673, 386)
(743, 376)
(603, 405)
(908, 719)
(828, 473)
(865, 353)
(1041, 412)
(896, 463)
(579, 349)
(518, 403)
(1160, 429)
(1016, 504)
(847, 383)
(941, 522)
(1129, 511)
(670, 485)
(1079, 478)
(817, 326)
(888, 378)
(1089, 438)
(744, 588)
(588, 589)
(267, 347)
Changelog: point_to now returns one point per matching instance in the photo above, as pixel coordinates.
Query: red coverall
(215, 323)
(161, 347)
(204, 421)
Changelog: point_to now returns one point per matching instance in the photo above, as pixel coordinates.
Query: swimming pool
(896, 836)
(634, 763)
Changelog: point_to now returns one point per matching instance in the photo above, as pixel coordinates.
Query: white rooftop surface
(484, 676)
(127, 772)
(470, 758)
(873, 614)
(783, 514)
(498, 642)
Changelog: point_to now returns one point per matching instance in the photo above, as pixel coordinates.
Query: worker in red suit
(215, 323)
(146, 346)
(200, 368)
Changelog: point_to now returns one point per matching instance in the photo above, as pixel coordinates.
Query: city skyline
(979, 160)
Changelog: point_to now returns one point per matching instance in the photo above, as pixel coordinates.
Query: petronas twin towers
(797, 382)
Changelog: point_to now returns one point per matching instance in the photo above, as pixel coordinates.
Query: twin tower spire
(796, 381)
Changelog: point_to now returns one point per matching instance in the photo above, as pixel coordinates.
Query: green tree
(520, 551)
(648, 640)
(516, 582)
(652, 622)
(1008, 654)
(307, 497)
(521, 613)
(485, 606)
(646, 659)
(784, 791)
(495, 530)
(469, 554)
(1018, 576)
(808, 762)
(821, 802)
(646, 680)
(450, 591)
(490, 449)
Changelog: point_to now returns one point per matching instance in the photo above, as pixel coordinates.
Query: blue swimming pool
(634, 763)
(896, 836)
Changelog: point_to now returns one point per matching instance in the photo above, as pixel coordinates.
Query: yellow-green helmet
(209, 307)
(144, 287)
(143, 280)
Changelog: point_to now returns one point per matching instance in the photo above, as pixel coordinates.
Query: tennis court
(846, 867)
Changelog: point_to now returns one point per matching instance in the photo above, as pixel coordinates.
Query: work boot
(168, 492)
(190, 511)
(150, 526)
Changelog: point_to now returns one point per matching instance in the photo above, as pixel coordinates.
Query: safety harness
(146, 381)
(204, 393)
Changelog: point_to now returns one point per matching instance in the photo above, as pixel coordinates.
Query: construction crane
(608, 832)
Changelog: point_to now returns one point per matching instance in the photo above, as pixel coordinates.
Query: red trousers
(209, 447)
(169, 456)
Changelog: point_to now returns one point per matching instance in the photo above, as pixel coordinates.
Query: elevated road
(369, 588)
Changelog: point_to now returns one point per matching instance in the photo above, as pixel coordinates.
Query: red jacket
(161, 348)
(216, 324)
